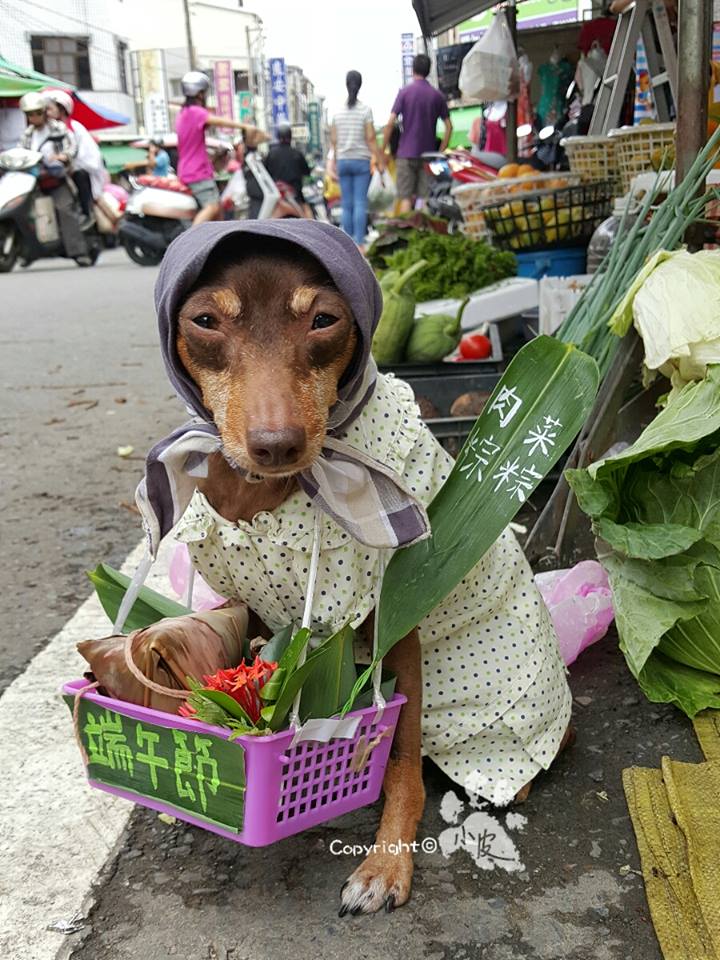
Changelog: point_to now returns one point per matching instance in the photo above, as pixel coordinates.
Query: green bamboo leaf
(534, 414)
(228, 704)
(150, 606)
(277, 644)
(328, 687)
(276, 714)
(273, 686)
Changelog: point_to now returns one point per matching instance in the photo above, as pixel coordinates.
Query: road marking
(55, 832)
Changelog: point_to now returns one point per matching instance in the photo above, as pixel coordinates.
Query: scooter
(28, 221)
(446, 170)
(159, 209)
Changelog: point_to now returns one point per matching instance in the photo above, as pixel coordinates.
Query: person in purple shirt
(420, 105)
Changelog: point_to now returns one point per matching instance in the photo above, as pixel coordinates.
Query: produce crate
(442, 383)
(642, 148)
(254, 790)
(563, 217)
(474, 198)
(593, 158)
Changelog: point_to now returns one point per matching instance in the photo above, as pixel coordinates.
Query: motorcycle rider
(194, 166)
(286, 163)
(89, 173)
(58, 147)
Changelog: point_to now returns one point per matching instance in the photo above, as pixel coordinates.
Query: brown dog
(267, 340)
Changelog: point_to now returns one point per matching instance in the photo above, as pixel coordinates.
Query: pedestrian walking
(418, 106)
(354, 144)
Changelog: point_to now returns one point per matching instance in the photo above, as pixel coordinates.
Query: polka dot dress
(495, 698)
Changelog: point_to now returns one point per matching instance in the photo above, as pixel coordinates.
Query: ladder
(637, 20)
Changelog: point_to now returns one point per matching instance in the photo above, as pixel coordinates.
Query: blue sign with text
(278, 91)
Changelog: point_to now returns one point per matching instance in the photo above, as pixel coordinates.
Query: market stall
(639, 485)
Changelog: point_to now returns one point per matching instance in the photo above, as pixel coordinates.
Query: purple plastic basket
(287, 789)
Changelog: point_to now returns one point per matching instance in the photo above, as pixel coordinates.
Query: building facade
(82, 42)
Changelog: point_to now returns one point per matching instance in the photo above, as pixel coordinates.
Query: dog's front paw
(382, 880)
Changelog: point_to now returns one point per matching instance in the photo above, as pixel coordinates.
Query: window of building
(122, 49)
(65, 58)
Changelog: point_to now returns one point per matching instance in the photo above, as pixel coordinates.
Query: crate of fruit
(474, 198)
(564, 216)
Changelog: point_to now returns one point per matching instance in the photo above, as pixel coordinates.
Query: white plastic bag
(235, 192)
(490, 69)
(381, 192)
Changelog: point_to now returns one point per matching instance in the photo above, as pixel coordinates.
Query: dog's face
(267, 337)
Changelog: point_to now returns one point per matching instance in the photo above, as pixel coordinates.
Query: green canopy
(462, 119)
(16, 81)
(118, 155)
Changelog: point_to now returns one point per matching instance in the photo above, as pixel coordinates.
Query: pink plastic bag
(580, 605)
(204, 598)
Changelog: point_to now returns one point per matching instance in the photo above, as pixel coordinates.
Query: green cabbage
(656, 509)
(675, 304)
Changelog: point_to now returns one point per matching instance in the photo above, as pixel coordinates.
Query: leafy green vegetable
(110, 586)
(457, 264)
(657, 506)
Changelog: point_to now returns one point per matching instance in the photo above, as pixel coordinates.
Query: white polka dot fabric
(495, 698)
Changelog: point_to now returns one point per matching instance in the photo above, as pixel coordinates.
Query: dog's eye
(204, 320)
(323, 320)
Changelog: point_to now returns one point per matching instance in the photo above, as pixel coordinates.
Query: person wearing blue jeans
(354, 176)
(354, 143)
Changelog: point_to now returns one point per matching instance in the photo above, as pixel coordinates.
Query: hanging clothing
(555, 78)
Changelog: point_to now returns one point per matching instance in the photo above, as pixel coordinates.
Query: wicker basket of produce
(592, 158)
(566, 216)
(649, 146)
(475, 198)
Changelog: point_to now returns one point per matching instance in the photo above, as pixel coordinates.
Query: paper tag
(324, 730)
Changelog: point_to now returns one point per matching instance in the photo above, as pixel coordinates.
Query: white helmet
(61, 97)
(32, 101)
(194, 83)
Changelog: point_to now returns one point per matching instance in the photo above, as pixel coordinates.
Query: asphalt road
(81, 377)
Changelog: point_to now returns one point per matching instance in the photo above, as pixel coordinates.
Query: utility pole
(188, 33)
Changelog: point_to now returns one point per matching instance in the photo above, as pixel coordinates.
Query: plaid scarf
(362, 495)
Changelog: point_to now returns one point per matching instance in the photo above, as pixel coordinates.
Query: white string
(378, 698)
(190, 586)
(131, 594)
(307, 613)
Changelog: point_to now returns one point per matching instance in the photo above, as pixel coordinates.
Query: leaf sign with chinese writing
(534, 414)
(193, 771)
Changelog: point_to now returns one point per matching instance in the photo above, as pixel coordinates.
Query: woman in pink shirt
(194, 166)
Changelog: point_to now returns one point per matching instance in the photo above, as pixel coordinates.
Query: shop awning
(117, 156)
(16, 81)
(435, 16)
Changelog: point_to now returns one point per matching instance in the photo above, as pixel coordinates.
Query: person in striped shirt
(354, 144)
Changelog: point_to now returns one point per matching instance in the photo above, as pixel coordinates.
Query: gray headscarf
(361, 494)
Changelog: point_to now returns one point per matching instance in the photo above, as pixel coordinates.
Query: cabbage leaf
(656, 510)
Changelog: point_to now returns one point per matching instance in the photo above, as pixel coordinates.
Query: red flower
(242, 683)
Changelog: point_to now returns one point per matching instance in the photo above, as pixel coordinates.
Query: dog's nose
(276, 448)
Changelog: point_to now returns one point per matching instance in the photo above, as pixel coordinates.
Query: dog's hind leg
(384, 878)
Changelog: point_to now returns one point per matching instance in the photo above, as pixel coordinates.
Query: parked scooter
(28, 221)
(447, 170)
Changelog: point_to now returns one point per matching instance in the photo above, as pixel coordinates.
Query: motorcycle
(28, 220)
(158, 210)
(447, 170)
